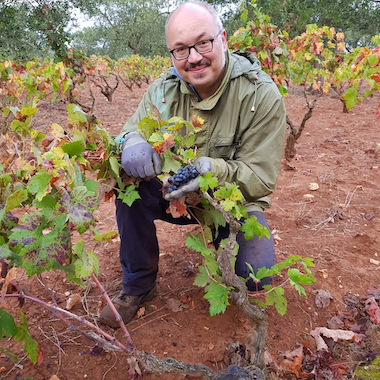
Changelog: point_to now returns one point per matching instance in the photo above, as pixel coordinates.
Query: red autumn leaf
(292, 361)
(40, 357)
(108, 195)
(177, 208)
(161, 147)
(373, 310)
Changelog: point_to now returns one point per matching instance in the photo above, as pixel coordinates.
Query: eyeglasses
(201, 47)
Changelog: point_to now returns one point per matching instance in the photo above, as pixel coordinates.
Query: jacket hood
(244, 63)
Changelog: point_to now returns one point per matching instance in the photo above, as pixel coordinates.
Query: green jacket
(244, 124)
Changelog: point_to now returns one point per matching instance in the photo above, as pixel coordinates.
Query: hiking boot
(127, 307)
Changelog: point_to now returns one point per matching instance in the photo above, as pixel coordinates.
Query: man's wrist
(123, 140)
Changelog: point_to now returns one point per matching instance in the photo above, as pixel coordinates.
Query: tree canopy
(123, 27)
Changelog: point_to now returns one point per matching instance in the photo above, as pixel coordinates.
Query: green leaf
(107, 236)
(7, 325)
(129, 195)
(169, 163)
(76, 114)
(217, 296)
(156, 137)
(296, 278)
(202, 278)
(15, 200)
(39, 184)
(373, 60)
(9, 354)
(251, 227)
(92, 185)
(276, 297)
(211, 265)
(75, 148)
(350, 97)
(30, 344)
(213, 217)
(114, 165)
(197, 245)
(87, 262)
(207, 181)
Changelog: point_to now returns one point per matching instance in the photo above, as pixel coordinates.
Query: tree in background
(358, 19)
(35, 28)
(124, 27)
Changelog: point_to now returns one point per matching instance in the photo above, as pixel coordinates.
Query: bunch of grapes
(183, 175)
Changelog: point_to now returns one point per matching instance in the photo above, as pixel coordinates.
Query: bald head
(193, 5)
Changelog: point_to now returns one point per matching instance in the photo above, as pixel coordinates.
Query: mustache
(203, 62)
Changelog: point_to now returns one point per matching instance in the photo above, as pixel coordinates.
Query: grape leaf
(15, 200)
(107, 236)
(76, 115)
(211, 265)
(8, 326)
(129, 195)
(75, 148)
(39, 184)
(40, 247)
(207, 181)
(276, 297)
(114, 165)
(169, 163)
(79, 205)
(296, 278)
(251, 227)
(202, 278)
(86, 263)
(197, 245)
(92, 185)
(217, 296)
(212, 216)
(30, 344)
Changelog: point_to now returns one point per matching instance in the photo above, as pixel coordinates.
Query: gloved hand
(138, 157)
(203, 164)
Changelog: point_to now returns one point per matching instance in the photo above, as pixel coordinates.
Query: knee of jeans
(257, 286)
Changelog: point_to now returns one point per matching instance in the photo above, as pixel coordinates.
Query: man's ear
(224, 40)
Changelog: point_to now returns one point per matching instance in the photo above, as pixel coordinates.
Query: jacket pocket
(226, 150)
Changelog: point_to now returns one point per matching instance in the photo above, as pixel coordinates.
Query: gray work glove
(203, 164)
(138, 158)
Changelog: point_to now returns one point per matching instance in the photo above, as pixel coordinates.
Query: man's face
(189, 25)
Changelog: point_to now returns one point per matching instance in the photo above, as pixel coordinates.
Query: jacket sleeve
(150, 97)
(256, 163)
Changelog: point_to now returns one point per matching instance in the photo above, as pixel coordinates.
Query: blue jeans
(139, 251)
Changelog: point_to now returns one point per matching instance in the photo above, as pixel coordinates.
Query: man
(240, 141)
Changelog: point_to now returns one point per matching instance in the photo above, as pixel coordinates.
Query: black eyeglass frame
(194, 46)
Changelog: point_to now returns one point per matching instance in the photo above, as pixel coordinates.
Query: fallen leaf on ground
(322, 298)
(335, 335)
(140, 312)
(134, 368)
(72, 300)
(373, 310)
(324, 272)
(292, 361)
(174, 305)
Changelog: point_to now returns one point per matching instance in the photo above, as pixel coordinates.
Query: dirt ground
(338, 225)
